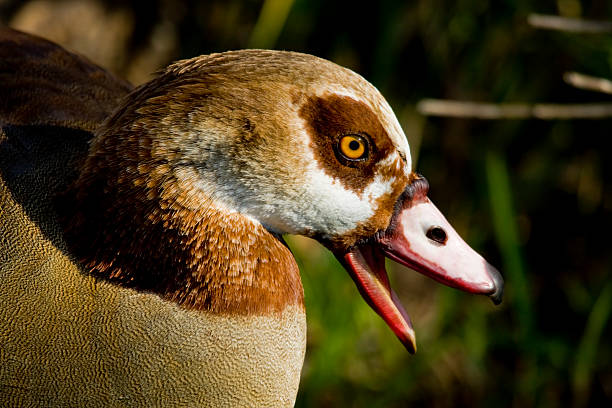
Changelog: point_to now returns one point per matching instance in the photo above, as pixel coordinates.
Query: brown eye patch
(331, 117)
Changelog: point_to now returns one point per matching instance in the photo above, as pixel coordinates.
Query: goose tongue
(366, 265)
(422, 239)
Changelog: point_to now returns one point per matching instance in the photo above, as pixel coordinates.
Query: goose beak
(421, 238)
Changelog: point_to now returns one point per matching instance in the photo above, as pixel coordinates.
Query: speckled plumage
(141, 253)
(70, 340)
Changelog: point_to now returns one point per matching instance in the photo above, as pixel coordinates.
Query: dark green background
(533, 196)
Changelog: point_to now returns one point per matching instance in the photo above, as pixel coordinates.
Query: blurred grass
(270, 23)
(588, 348)
(517, 287)
(508, 241)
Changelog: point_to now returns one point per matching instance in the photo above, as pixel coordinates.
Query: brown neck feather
(147, 227)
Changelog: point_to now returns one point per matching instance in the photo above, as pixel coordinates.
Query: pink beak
(421, 238)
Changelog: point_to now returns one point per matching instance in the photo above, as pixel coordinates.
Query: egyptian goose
(141, 256)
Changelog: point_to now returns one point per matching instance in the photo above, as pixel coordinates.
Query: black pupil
(354, 145)
(437, 234)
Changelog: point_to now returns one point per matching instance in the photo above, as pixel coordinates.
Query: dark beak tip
(497, 296)
(498, 281)
(409, 345)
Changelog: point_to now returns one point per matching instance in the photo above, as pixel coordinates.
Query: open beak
(421, 238)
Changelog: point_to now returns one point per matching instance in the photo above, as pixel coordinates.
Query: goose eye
(353, 147)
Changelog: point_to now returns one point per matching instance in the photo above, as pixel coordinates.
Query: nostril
(437, 234)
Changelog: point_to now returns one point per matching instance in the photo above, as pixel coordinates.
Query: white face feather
(324, 204)
(301, 197)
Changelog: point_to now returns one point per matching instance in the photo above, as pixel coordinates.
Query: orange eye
(353, 147)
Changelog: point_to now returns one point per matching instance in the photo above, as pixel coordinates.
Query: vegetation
(532, 195)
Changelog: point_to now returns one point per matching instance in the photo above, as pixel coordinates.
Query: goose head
(296, 145)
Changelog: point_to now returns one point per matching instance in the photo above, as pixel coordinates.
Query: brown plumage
(43, 84)
(141, 253)
(70, 339)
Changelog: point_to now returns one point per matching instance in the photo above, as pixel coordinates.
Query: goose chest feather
(151, 269)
